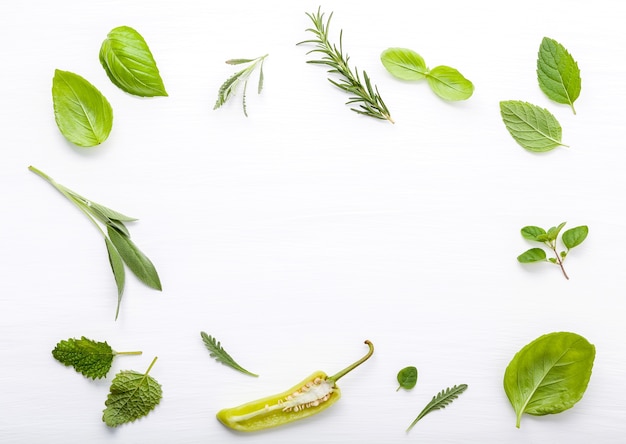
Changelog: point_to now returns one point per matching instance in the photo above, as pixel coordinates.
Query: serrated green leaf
(132, 396)
(138, 262)
(407, 378)
(534, 128)
(219, 354)
(532, 255)
(440, 401)
(117, 266)
(575, 236)
(128, 62)
(83, 115)
(558, 73)
(553, 232)
(531, 232)
(404, 64)
(449, 84)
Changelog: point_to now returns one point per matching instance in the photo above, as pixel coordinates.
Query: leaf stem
(151, 365)
(559, 261)
(128, 353)
(348, 369)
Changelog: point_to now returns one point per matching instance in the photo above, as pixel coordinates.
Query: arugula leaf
(83, 115)
(92, 359)
(449, 84)
(440, 401)
(407, 378)
(549, 375)
(132, 396)
(127, 60)
(138, 262)
(534, 128)
(220, 355)
(405, 64)
(558, 73)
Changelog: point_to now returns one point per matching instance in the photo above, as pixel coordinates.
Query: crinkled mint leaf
(558, 73)
(534, 128)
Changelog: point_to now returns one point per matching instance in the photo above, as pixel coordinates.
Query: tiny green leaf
(531, 233)
(404, 64)
(138, 262)
(575, 236)
(553, 232)
(552, 259)
(558, 73)
(449, 84)
(128, 62)
(220, 355)
(534, 128)
(440, 401)
(407, 378)
(532, 255)
(84, 116)
(132, 396)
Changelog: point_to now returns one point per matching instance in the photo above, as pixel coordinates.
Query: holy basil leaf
(534, 128)
(404, 63)
(138, 262)
(532, 255)
(128, 62)
(449, 84)
(531, 232)
(574, 236)
(558, 73)
(407, 378)
(549, 375)
(84, 116)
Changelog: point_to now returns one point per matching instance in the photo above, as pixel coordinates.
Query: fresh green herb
(132, 396)
(229, 87)
(363, 93)
(549, 375)
(407, 378)
(92, 359)
(558, 73)
(571, 238)
(117, 239)
(128, 62)
(448, 83)
(534, 128)
(440, 401)
(220, 355)
(84, 116)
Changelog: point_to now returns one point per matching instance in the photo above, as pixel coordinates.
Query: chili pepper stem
(348, 369)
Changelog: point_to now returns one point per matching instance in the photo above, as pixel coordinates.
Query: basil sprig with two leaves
(119, 246)
(549, 375)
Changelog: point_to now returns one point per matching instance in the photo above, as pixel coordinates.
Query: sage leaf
(558, 73)
(404, 64)
(449, 84)
(574, 236)
(84, 116)
(549, 375)
(532, 233)
(407, 378)
(138, 262)
(117, 266)
(532, 255)
(534, 128)
(127, 60)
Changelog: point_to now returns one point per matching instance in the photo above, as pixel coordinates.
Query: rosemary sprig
(440, 401)
(220, 355)
(367, 97)
(229, 87)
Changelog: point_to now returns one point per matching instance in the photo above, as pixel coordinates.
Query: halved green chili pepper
(311, 396)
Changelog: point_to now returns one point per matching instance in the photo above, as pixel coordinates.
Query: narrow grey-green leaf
(575, 236)
(558, 73)
(117, 266)
(531, 232)
(532, 255)
(449, 84)
(405, 64)
(138, 262)
(84, 116)
(127, 60)
(101, 209)
(239, 61)
(534, 128)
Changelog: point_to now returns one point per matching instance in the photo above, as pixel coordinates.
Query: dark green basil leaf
(138, 262)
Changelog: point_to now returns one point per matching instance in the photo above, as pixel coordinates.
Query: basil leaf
(531, 232)
(532, 255)
(558, 73)
(449, 84)
(549, 375)
(117, 265)
(575, 236)
(404, 63)
(534, 128)
(138, 262)
(407, 378)
(84, 116)
(128, 62)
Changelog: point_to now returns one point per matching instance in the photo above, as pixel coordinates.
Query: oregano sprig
(220, 355)
(229, 87)
(369, 101)
(440, 401)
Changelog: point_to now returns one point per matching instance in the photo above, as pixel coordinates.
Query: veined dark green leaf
(558, 73)
(117, 266)
(549, 375)
(84, 116)
(531, 232)
(138, 262)
(449, 84)
(534, 128)
(404, 63)
(407, 378)
(128, 62)
(532, 255)
(575, 236)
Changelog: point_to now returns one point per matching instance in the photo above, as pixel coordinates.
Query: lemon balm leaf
(532, 127)
(558, 73)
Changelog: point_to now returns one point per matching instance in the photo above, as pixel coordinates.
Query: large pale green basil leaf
(534, 128)
(128, 62)
(549, 375)
(558, 73)
(84, 116)
(449, 84)
(138, 262)
(404, 63)
(117, 266)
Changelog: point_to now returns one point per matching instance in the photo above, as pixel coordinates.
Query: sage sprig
(120, 248)
(229, 87)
